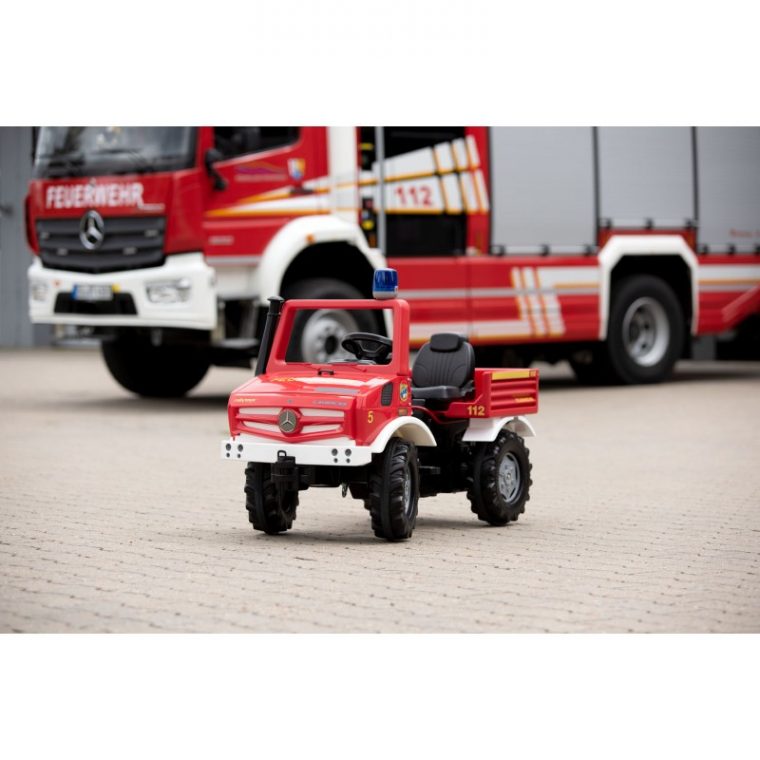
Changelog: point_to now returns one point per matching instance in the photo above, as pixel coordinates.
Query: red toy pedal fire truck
(368, 423)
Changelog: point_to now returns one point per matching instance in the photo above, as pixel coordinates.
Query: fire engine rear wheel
(394, 490)
(500, 480)
(645, 334)
(317, 336)
(154, 371)
(263, 504)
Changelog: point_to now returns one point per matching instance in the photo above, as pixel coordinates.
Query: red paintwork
(359, 412)
(175, 195)
(688, 234)
(478, 225)
(499, 397)
(299, 386)
(250, 176)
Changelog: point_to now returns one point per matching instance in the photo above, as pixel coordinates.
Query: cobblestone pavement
(117, 515)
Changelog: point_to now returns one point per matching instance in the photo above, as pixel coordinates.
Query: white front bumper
(198, 312)
(343, 452)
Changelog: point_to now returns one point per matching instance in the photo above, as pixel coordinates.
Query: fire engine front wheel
(265, 512)
(154, 371)
(317, 335)
(500, 479)
(394, 490)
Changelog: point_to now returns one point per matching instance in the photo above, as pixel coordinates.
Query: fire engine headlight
(169, 291)
(38, 290)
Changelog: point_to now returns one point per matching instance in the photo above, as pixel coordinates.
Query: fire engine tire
(500, 481)
(264, 510)
(592, 366)
(154, 371)
(645, 334)
(394, 488)
(317, 336)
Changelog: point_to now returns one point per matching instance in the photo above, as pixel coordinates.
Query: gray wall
(15, 257)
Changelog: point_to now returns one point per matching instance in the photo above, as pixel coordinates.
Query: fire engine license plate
(92, 293)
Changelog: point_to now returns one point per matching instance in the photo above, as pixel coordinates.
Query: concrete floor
(117, 515)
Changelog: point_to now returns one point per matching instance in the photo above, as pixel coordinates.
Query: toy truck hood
(323, 406)
(305, 388)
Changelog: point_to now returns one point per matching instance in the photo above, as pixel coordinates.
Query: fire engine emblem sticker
(296, 168)
(287, 420)
(403, 391)
(92, 230)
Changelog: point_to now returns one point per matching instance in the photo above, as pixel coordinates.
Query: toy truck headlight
(169, 291)
(385, 284)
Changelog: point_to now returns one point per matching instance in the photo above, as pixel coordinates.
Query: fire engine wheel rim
(323, 333)
(646, 331)
(509, 477)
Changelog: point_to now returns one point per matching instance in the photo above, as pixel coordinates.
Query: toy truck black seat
(443, 369)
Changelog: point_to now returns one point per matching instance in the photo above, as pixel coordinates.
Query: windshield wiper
(69, 163)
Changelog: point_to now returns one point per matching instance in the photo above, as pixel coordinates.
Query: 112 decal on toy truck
(368, 423)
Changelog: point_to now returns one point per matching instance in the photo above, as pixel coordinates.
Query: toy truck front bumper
(338, 452)
(195, 310)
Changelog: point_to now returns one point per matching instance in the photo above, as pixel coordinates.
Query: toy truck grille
(310, 423)
(499, 393)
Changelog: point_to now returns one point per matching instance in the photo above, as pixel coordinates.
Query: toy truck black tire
(500, 479)
(263, 504)
(394, 488)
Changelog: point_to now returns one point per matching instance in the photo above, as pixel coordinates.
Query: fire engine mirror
(213, 156)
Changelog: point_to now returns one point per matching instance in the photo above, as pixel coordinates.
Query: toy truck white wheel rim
(509, 477)
(646, 331)
(322, 335)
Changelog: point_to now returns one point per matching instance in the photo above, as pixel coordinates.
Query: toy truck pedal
(369, 424)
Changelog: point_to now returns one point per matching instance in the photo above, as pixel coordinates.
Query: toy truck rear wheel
(394, 488)
(500, 479)
(268, 510)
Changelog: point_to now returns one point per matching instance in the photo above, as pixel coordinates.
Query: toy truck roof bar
(368, 423)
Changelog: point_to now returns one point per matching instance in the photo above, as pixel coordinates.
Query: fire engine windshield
(77, 151)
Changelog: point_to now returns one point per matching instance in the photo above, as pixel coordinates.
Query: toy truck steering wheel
(376, 348)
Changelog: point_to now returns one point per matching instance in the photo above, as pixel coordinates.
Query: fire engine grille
(128, 243)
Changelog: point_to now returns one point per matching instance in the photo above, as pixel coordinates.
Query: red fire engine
(611, 247)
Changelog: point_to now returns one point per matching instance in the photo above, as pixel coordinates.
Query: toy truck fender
(409, 428)
(486, 429)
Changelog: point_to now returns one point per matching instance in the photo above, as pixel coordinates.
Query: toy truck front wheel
(270, 499)
(394, 490)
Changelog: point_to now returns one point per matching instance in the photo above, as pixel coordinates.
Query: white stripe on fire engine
(438, 294)
(444, 158)
(709, 273)
(534, 302)
(233, 260)
(728, 288)
(472, 152)
(460, 154)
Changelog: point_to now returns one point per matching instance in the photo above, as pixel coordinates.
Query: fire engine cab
(368, 423)
(612, 247)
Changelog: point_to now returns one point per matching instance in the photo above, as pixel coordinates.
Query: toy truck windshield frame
(399, 363)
